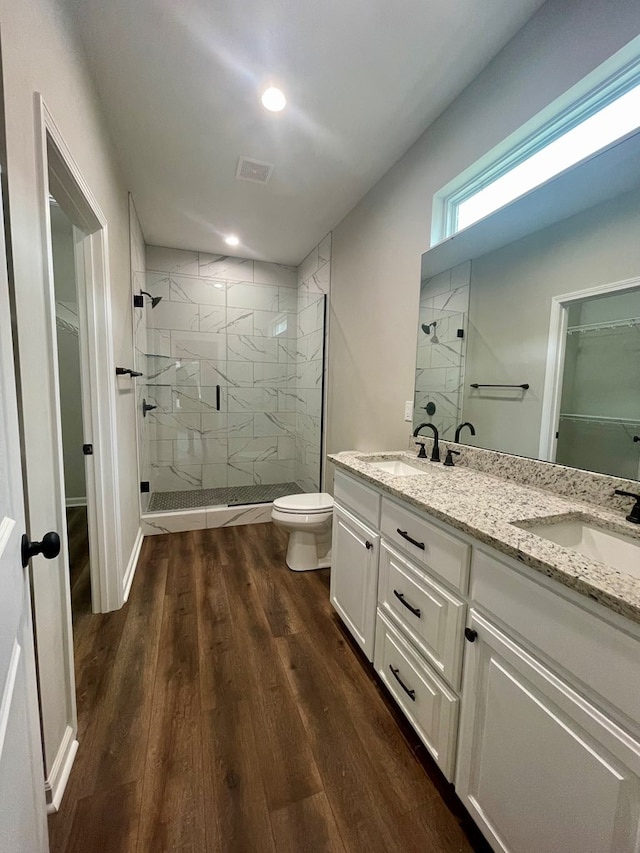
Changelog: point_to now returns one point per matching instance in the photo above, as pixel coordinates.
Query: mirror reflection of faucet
(460, 428)
(435, 453)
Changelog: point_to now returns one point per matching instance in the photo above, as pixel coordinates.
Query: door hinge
(87, 449)
(144, 486)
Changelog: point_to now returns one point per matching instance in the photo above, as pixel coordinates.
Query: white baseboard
(132, 564)
(76, 501)
(55, 785)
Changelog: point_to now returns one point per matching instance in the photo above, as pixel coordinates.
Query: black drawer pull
(406, 536)
(400, 597)
(410, 693)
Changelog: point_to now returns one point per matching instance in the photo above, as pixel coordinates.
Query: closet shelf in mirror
(600, 419)
(605, 325)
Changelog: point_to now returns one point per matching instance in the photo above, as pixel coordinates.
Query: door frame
(556, 348)
(61, 176)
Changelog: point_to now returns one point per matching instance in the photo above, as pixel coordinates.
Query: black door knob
(49, 547)
(470, 634)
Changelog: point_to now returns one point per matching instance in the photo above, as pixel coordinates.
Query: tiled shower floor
(231, 496)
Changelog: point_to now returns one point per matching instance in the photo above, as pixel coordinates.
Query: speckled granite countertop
(486, 507)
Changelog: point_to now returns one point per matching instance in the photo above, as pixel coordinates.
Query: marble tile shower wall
(138, 256)
(226, 322)
(314, 283)
(440, 361)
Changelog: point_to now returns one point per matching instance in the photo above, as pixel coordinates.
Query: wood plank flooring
(78, 537)
(225, 710)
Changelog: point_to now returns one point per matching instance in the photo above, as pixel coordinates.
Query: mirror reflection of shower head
(427, 327)
(138, 301)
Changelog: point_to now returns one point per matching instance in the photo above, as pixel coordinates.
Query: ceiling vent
(253, 170)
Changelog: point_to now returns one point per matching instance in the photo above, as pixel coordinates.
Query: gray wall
(377, 247)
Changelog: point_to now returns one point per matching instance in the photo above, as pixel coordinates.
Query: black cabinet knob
(470, 634)
(368, 545)
(49, 547)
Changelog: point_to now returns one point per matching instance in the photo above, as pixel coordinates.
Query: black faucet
(634, 515)
(460, 428)
(435, 453)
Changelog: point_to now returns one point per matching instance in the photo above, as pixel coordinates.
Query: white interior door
(22, 801)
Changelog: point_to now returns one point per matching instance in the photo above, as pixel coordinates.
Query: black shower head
(154, 299)
(426, 327)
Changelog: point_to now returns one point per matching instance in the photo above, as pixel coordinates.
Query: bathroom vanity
(516, 659)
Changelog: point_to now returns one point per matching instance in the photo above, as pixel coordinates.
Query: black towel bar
(525, 386)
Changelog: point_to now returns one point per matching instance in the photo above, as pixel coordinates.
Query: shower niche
(232, 355)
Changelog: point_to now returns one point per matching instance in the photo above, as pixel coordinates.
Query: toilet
(307, 519)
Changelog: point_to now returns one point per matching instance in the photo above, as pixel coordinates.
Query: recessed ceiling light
(273, 99)
(232, 240)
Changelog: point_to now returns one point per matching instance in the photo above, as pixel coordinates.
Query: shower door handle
(218, 398)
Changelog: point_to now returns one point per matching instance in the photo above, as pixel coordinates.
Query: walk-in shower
(233, 365)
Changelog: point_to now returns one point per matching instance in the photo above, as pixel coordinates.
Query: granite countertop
(485, 507)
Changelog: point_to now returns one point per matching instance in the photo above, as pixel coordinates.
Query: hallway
(223, 709)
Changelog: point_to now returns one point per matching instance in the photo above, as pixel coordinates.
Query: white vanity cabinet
(354, 579)
(354, 556)
(395, 581)
(544, 762)
(535, 716)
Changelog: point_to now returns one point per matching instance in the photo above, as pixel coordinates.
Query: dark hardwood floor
(80, 579)
(224, 709)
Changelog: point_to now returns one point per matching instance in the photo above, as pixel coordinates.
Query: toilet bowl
(307, 519)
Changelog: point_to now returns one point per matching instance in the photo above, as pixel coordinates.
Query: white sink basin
(397, 468)
(614, 549)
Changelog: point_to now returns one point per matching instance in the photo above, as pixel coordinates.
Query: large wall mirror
(557, 311)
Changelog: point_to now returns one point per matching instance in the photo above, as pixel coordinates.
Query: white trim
(8, 691)
(132, 565)
(69, 502)
(99, 398)
(55, 785)
(556, 344)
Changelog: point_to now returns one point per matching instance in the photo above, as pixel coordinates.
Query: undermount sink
(397, 468)
(614, 549)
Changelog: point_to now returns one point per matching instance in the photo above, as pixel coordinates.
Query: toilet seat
(307, 504)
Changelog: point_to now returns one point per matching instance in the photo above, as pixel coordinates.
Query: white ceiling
(180, 81)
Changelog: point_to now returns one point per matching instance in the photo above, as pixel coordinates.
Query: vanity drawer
(431, 617)
(602, 657)
(357, 497)
(429, 705)
(428, 544)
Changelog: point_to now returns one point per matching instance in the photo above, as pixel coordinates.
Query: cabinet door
(354, 576)
(539, 767)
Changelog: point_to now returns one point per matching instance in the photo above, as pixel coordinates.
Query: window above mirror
(594, 115)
